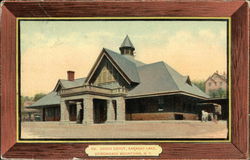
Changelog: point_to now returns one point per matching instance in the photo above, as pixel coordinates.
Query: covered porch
(90, 105)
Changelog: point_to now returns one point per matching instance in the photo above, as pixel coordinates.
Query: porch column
(64, 111)
(110, 112)
(78, 108)
(121, 112)
(88, 110)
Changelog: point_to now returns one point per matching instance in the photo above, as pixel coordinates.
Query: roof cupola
(127, 48)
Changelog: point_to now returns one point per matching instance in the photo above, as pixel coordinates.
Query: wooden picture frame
(236, 10)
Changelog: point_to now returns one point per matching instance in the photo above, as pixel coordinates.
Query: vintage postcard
(124, 79)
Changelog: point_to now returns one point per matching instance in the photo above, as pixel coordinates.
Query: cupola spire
(127, 48)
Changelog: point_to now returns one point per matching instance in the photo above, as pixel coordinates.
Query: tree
(25, 98)
(220, 93)
(200, 84)
(38, 96)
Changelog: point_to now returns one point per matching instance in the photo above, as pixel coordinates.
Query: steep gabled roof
(154, 79)
(126, 65)
(70, 84)
(127, 43)
(181, 82)
(50, 99)
(160, 77)
(53, 97)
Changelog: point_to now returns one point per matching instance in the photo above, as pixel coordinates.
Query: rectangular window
(115, 108)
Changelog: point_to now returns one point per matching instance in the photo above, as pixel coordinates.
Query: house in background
(120, 88)
(215, 82)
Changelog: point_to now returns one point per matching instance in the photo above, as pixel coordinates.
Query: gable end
(96, 68)
(58, 86)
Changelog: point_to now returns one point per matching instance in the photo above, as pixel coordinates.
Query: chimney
(71, 75)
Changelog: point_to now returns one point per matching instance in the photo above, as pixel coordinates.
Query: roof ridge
(80, 78)
(124, 63)
(73, 80)
(121, 56)
(181, 85)
(166, 68)
(150, 64)
(134, 61)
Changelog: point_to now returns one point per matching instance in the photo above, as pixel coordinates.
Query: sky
(50, 48)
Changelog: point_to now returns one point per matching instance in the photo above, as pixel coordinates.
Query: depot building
(119, 88)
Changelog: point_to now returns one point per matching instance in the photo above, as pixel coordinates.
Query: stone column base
(64, 121)
(78, 122)
(119, 121)
(87, 122)
(110, 121)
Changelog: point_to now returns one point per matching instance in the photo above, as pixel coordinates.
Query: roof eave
(39, 106)
(166, 93)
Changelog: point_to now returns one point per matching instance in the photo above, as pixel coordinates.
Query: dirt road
(129, 129)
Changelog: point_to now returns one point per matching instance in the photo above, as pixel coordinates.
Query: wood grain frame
(237, 10)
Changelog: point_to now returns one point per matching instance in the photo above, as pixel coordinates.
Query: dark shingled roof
(154, 78)
(126, 65)
(50, 99)
(127, 43)
(160, 77)
(53, 98)
(181, 82)
(70, 84)
(132, 59)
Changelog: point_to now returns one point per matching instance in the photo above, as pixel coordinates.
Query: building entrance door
(72, 112)
(100, 111)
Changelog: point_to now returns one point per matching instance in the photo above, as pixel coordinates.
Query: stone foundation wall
(161, 116)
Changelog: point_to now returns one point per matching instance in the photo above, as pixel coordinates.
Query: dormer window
(188, 81)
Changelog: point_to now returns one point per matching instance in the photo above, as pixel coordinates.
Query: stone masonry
(87, 106)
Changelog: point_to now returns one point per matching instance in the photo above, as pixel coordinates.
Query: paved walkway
(129, 129)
